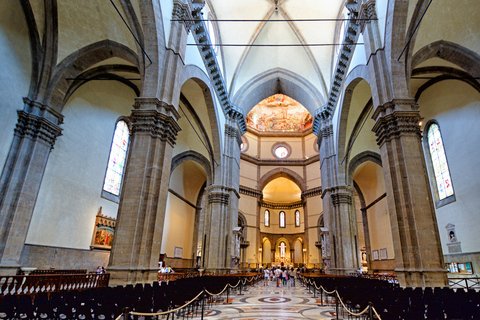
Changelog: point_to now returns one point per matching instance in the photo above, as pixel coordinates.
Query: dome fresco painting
(279, 113)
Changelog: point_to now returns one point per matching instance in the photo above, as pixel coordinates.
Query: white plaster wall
(456, 108)
(70, 194)
(359, 57)
(15, 69)
(453, 21)
(86, 22)
(252, 141)
(310, 142)
(192, 55)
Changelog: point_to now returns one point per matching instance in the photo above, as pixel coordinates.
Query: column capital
(396, 124)
(155, 118)
(37, 127)
(341, 195)
(217, 194)
(233, 133)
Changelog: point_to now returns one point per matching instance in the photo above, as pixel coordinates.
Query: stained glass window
(281, 152)
(282, 219)
(116, 161)
(439, 162)
(267, 218)
(297, 218)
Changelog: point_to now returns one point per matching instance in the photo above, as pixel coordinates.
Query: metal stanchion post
(314, 291)
(228, 290)
(336, 304)
(321, 297)
(370, 310)
(203, 302)
(126, 313)
(240, 285)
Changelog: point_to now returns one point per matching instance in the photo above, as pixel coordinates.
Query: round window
(281, 152)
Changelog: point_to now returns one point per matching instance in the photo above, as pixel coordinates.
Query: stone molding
(37, 128)
(181, 11)
(209, 57)
(158, 123)
(278, 162)
(397, 124)
(312, 192)
(250, 191)
(367, 13)
(280, 206)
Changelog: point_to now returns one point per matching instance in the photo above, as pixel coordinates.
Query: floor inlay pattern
(272, 303)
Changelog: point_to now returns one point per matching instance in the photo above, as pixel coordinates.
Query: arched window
(439, 163)
(116, 161)
(282, 219)
(297, 218)
(267, 218)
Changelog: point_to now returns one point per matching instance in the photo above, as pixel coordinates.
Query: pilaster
(35, 134)
(418, 254)
(141, 213)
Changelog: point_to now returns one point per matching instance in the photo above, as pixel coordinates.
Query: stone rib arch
(281, 172)
(274, 81)
(358, 74)
(194, 156)
(194, 73)
(463, 57)
(358, 160)
(79, 61)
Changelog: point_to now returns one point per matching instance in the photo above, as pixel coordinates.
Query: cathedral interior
(335, 135)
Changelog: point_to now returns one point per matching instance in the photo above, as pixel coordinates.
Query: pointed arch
(194, 156)
(274, 81)
(73, 65)
(282, 172)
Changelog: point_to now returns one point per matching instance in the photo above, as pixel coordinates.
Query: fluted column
(35, 134)
(141, 213)
(418, 254)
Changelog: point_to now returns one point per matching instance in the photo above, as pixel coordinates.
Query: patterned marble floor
(272, 303)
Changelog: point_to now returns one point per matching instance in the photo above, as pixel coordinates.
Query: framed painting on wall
(375, 254)
(178, 253)
(103, 232)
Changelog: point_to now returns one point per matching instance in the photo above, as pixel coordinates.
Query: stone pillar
(222, 212)
(35, 134)
(337, 207)
(327, 169)
(418, 253)
(346, 251)
(141, 213)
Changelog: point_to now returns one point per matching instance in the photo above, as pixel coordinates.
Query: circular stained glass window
(281, 152)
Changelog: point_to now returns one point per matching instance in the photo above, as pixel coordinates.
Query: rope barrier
(189, 302)
(217, 294)
(351, 313)
(169, 311)
(311, 282)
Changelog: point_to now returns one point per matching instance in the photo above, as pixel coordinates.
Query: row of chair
(394, 302)
(109, 302)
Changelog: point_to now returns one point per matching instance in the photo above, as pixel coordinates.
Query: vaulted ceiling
(311, 57)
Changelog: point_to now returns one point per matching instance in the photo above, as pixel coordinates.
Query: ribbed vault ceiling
(281, 26)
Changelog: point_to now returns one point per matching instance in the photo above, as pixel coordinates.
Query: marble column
(418, 253)
(35, 134)
(141, 214)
